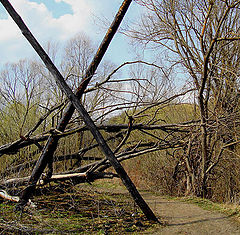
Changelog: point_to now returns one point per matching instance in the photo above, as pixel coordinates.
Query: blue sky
(60, 20)
(56, 8)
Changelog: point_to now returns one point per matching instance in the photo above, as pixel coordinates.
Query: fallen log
(75, 178)
(29, 164)
(4, 195)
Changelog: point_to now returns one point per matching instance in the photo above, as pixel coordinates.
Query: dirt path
(185, 218)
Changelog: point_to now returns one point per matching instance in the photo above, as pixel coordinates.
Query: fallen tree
(75, 178)
(14, 147)
(95, 170)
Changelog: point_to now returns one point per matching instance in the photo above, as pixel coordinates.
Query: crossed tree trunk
(47, 154)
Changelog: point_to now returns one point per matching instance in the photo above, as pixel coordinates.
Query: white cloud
(45, 27)
(80, 20)
(8, 30)
(42, 24)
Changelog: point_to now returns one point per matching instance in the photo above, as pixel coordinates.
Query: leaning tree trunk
(87, 119)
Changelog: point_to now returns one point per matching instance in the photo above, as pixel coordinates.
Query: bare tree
(201, 38)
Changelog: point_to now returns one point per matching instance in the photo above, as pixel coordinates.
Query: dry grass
(75, 210)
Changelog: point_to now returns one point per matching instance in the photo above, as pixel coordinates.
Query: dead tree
(76, 104)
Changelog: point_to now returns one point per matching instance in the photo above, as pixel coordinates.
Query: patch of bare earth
(185, 218)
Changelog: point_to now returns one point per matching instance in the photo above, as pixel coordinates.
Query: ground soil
(185, 218)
